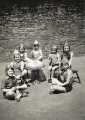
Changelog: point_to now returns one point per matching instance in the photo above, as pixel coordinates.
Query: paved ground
(42, 106)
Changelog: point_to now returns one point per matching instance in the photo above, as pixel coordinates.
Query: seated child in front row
(62, 81)
(14, 87)
(9, 84)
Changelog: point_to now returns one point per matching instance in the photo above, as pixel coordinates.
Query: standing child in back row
(37, 57)
(54, 61)
(67, 55)
(23, 52)
(36, 53)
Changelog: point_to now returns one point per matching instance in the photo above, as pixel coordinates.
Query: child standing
(37, 57)
(54, 61)
(36, 53)
(67, 55)
(23, 53)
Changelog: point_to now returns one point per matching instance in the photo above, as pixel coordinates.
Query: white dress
(35, 63)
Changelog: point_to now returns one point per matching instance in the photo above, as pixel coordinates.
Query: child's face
(54, 52)
(36, 46)
(21, 49)
(66, 66)
(57, 72)
(10, 72)
(66, 48)
(17, 58)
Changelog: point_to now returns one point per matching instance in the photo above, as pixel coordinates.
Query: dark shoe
(49, 80)
(51, 92)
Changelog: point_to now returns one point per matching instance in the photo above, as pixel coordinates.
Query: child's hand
(18, 77)
(17, 87)
(50, 67)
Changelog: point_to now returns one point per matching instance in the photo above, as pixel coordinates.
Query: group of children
(23, 70)
(61, 69)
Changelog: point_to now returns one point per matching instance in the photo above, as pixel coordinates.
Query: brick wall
(49, 25)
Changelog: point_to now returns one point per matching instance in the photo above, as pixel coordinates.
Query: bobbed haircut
(8, 68)
(17, 53)
(21, 46)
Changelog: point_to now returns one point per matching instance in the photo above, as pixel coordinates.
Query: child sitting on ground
(10, 88)
(62, 81)
(20, 74)
(9, 84)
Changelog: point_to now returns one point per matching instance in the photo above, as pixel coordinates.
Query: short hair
(17, 53)
(21, 45)
(7, 69)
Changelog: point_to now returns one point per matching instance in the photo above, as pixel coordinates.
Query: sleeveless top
(66, 57)
(36, 54)
(54, 58)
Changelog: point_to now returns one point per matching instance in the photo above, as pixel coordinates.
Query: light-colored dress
(37, 54)
(36, 61)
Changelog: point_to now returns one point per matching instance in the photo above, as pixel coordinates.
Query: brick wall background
(48, 23)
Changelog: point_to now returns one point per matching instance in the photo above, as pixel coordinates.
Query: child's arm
(40, 55)
(59, 61)
(23, 69)
(70, 61)
(3, 84)
(31, 55)
(50, 60)
(24, 86)
(69, 74)
(24, 72)
(25, 55)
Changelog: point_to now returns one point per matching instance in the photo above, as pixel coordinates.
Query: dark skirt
(38, 75)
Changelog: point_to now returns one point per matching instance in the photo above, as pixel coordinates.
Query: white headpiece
(66, 43)
(36, 42)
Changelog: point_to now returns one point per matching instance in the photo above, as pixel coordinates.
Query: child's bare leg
(25, 93)
(24, 86)
(18, 95)
(57, 88)
(21, 91)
